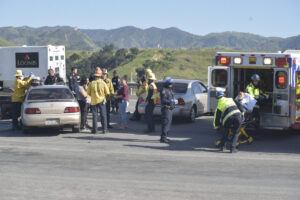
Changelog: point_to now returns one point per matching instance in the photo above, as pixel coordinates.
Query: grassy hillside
(185, 63)
(5, 43)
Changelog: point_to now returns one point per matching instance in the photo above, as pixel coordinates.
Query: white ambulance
(280, 78)
(36, 59)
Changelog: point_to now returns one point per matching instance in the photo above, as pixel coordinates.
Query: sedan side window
(203, 88)
(196, 88)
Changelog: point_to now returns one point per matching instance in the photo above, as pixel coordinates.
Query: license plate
(52, 122)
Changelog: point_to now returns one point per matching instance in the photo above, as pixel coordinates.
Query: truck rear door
(281, 89)
(218, 77)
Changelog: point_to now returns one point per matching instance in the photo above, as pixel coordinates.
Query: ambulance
(279, 78)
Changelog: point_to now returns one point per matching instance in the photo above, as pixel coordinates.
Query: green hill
(5, 43)
(189, 64)
(67, 36)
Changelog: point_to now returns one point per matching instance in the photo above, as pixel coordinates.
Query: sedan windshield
(50, 94)
(177, 87)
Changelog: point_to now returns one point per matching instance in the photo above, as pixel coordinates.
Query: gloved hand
(261, 97)
(174, 101)
(31, 75)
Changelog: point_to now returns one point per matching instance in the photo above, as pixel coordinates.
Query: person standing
(73, 84)
(141, 96)
(98, 90)
(151, 100)
(52, 79)
(167, 105)
(116, 81)
(123, 100)
(227, 115)
(82, 97)
(108, 97)
(19, 96)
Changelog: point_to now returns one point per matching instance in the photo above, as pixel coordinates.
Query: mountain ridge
(130, 36)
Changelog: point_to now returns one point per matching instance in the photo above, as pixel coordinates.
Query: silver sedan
(50, 106)
(191, 96)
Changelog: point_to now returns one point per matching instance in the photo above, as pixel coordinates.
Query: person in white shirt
(245, 103)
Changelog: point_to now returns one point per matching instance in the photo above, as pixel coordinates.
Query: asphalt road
(132, 165)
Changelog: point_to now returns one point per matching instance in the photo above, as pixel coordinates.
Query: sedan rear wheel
(192, 117)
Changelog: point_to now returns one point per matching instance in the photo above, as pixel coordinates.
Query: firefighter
(227, 115)
(73, 84)
(108, 97)
(253, 90)
(141, 94)
(98, 91)
(19, 96)
(151, 100)
(167, 105)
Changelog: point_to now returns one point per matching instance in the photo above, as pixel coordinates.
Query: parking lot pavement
(128, 164)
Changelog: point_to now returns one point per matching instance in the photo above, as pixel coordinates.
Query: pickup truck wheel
(192, 116)
(75, 129)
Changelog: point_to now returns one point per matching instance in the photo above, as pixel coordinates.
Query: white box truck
(36, 59)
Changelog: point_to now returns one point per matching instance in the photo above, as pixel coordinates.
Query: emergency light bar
(237, 60)
(267, 61)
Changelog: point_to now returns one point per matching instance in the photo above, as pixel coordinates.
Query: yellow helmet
(19, 73)
(148, 71)
(151, 76)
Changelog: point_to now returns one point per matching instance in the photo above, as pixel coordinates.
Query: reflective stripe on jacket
(155, 96)
(254, 91)
(226, 108)
(19, 89)
(110, 88)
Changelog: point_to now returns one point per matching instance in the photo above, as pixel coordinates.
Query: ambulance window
(281, 80)
(51, 58)
(62, 57)
(219, 78)
(56, 57)
(56, 70)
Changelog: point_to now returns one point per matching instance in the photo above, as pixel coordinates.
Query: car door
(203, 96)
(198, 95)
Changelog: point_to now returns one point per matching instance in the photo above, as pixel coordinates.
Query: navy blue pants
(166, 121)
(16, 113)
(233, 122)
(102, 108)
(149, 117)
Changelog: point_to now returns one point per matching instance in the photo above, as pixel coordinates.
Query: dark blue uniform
(73, 84)
(167, 105)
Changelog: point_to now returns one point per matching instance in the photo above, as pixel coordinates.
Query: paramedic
(228, 115)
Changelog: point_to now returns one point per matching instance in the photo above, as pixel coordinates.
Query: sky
(280, 18)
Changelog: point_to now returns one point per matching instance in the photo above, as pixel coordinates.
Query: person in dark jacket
(167, 105)
(116, 81)
(53, 79)
(73, 84)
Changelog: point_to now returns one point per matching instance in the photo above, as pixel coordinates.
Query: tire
(75, 129)
(192, 116)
